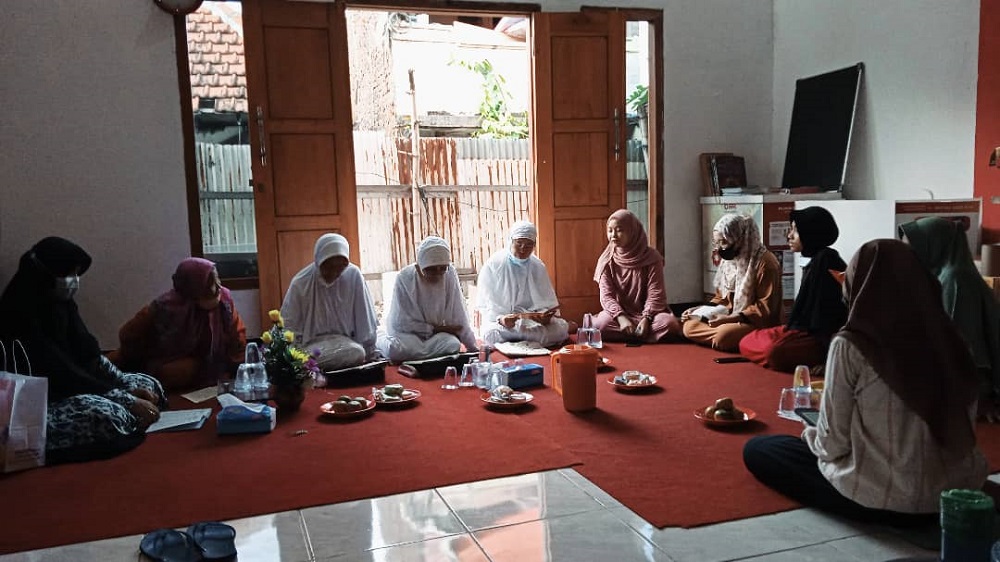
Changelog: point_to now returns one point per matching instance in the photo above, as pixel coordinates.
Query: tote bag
(23, 412)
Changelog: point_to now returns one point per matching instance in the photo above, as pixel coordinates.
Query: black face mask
(728, 253)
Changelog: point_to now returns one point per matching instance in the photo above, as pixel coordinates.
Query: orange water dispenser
(574, 376)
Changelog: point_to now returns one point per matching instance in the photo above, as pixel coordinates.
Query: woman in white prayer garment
(328, 307)
(427, 315)
(515, 298)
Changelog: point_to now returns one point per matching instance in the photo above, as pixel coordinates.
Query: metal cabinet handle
(260, 133)
(618, 135)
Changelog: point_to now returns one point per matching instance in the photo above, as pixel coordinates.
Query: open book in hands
(709, 312)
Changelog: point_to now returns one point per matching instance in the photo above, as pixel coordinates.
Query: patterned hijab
(636, 255)
(904, 332)
(182, 327)
(739, 275)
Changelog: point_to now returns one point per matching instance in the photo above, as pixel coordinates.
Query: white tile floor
(557, 515)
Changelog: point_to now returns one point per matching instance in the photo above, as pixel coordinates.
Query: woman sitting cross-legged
(819, 309)
(95, 410)
(747, 296)
(941, 245)
(427, 315)
(515, 300)
(187, 336)
(630, 276)
(896, 418)
(328, 307)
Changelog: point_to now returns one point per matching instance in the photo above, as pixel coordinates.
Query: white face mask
(66, 287)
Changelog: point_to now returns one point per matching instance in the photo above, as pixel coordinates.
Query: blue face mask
(516, 260)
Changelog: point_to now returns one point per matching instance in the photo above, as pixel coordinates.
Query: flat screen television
(820, 134)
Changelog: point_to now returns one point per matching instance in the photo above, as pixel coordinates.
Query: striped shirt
(874, 449)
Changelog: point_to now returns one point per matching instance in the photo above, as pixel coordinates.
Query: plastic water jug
(574, 376)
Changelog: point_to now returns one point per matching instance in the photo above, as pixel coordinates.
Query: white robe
(505, 287)
(417, 308)
(326, 317)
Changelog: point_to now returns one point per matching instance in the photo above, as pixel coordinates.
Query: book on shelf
(722, 171)
(729, 171)
(708, 186)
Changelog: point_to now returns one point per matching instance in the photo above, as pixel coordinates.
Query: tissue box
(240, 419)
(525, 375)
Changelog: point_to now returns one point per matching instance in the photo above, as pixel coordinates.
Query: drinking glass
(498, 377)
(595, 339)
(482, 378)
(468, 375)
(450, 379)
(792, 398)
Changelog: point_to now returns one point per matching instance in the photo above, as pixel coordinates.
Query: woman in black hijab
(819, 309)
(95, 410)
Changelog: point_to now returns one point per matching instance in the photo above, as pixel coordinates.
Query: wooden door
(579, 121)
(301, 135)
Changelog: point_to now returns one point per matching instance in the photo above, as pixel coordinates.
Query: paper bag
(23, 413)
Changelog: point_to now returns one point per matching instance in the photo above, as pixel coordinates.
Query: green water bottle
(966, 526)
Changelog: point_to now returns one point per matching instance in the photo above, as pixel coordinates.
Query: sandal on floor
(168, 545)
(217, 541)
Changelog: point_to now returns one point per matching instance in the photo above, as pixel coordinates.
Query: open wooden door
(301, 135)
(579, 93)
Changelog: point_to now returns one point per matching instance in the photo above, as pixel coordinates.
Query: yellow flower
(289, 336)
(266, 336)
(275, 317)
(298, 354)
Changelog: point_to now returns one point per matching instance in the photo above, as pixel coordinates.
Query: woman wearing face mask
(95, 410)
(328, 307)
(819, 309)
(187, 336)
(747, 295)
(630, 276)
(427, 316)
(515, 298)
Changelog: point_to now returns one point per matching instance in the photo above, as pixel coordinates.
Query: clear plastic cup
(468, 375)
(498, 377)
(596, 341)
(792, 398)
(450, 379)
(482, 377)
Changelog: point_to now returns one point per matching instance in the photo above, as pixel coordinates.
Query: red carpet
(174, 479)
(646, 450)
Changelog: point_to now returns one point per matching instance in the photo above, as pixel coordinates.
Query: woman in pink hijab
(189, 335)
(630, 276)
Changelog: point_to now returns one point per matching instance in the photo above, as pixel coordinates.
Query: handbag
(23, 412)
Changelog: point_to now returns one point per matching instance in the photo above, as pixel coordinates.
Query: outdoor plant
(638, 100)
(497, 119)
(286, 364)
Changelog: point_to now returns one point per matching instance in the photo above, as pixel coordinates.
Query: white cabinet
(770, 212)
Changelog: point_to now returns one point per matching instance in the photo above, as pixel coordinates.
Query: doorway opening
(440, 105)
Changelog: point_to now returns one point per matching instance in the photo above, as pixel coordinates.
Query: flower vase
(289, 397)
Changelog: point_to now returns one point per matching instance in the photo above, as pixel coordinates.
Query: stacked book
(722, 173)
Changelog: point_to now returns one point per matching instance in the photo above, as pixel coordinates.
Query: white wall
(917, 107)
(91, 145)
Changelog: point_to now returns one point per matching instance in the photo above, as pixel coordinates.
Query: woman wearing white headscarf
(747, 295)
(427, 316)
(515, 298)
(328, 307)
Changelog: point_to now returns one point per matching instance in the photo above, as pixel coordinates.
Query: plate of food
(348, 407)
(724, 412)
(631, 380)
(394, 395)
(506, 398)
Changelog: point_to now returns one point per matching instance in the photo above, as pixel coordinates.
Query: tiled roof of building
(215, 56)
